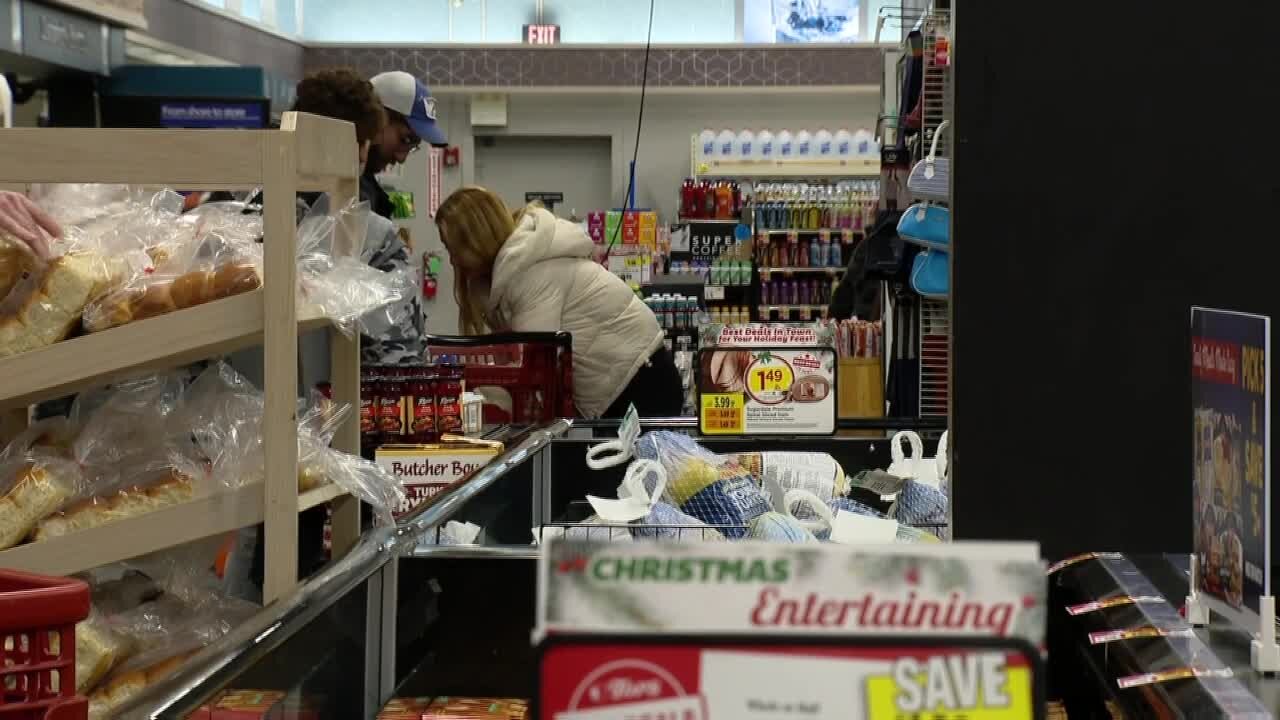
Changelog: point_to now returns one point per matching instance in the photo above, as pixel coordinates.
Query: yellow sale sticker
(723, 414)
(968, 686)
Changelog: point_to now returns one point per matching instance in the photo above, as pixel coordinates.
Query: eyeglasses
(410, 140)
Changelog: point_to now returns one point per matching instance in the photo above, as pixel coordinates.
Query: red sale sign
(708, 678)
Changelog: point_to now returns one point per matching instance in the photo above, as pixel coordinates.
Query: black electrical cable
(635, 153)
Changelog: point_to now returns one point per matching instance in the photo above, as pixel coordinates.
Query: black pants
(655, 390)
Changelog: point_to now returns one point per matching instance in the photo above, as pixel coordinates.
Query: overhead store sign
(211, 115)
(541, 34)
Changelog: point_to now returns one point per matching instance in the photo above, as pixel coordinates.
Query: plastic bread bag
(150, 487)
(210, 257)
(33, 487)
(339, 284)
(638, 504)
(127, 427)
(115, 694)
(702, 484)
(99, 649)
(817, 515)
(52, 435)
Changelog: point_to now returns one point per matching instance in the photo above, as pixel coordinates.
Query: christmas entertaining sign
(767, 380)
(1231, 405)
(581, 678)
(970, 589)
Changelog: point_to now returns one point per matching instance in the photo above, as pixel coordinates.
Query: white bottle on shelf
(766, 145)
(864, 144)
(746, 145)
(843, 144)
(786, 145)
(707, 144)
(725, 143)
(804, 144)
(823, 144)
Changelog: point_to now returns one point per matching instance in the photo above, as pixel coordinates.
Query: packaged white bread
(30, 490)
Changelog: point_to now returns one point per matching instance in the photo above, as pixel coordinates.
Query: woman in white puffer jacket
(535, 273)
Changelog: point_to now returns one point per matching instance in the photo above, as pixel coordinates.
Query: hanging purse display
(931, 274)
(931, 177)
(926, 225)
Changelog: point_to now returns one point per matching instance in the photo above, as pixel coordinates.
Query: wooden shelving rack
(307, 153)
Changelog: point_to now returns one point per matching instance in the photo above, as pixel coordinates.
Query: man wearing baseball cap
(411, 121)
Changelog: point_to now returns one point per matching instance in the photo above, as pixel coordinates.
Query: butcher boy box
(425, 470)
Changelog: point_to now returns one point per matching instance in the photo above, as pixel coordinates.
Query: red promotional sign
(720, 678)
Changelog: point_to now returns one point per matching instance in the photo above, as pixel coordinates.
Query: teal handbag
(926, 225)
(931, 274)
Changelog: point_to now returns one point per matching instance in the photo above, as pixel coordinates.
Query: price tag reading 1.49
(723, 414)
(769, 379)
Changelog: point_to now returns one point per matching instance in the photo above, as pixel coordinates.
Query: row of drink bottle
(786, 145)
(796, 292)
(806, 253)
(848, 205)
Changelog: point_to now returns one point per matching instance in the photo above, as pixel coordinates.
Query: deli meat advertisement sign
(658, 678)
(1231, 468)
(953, 590)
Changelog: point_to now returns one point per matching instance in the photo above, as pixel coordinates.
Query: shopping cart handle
(559, 338)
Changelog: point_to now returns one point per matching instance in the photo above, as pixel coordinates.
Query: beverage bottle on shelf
(802, 254)
(818, 254)
(786, 145)
(765, 145)
(766, 291)
(793, 293)
(738, 201)
(688, 198)
(422, 407)
(827, 206)
(836, 259)
(804, 144)
(699, 199)
(843, 144)
(709, 201)
(813, 215)
(391, 407)
(746, 142)
(864, 144)
(823, 144)
(724, 201)
(448, 387)
(707, 144)
(726, 142)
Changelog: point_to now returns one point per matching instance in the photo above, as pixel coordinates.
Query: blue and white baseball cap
(402, 92)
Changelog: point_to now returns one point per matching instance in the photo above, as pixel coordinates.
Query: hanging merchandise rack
(307, 153)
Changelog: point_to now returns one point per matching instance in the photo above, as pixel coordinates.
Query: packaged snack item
(107, 700)
(98, 649)
(404, 709)
(463, 708)
(31, 489)
(246, 705)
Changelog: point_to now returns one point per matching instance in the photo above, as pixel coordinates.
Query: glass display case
(403, 615)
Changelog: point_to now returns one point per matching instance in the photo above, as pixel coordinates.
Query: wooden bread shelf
(307, 153)
(200, 518)
(160, 343)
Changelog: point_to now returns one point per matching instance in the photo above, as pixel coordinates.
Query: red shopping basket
(524, 377)
(38, 617)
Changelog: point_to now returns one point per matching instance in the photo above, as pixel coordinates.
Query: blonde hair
(474, 223)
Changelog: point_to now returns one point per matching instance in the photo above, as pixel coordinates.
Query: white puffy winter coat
(544, 280)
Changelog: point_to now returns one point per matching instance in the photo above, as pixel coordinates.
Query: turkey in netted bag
(702, 484)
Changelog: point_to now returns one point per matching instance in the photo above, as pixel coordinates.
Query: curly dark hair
(344, 95)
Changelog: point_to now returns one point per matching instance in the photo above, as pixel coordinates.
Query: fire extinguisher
(431, 263)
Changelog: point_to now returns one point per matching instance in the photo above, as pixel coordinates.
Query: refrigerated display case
(400, 617)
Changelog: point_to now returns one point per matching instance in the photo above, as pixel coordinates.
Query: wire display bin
(442, 619)
(524, 377)
(38, 616)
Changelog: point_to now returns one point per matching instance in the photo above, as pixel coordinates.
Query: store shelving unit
(851, 168)
(766, 270)
(306, 154)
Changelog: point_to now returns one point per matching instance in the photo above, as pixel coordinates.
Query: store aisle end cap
(402, 92)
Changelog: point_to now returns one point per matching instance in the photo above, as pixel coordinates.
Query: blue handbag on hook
(931, 274)
(926, 225)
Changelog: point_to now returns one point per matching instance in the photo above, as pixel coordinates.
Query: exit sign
(541, 34)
